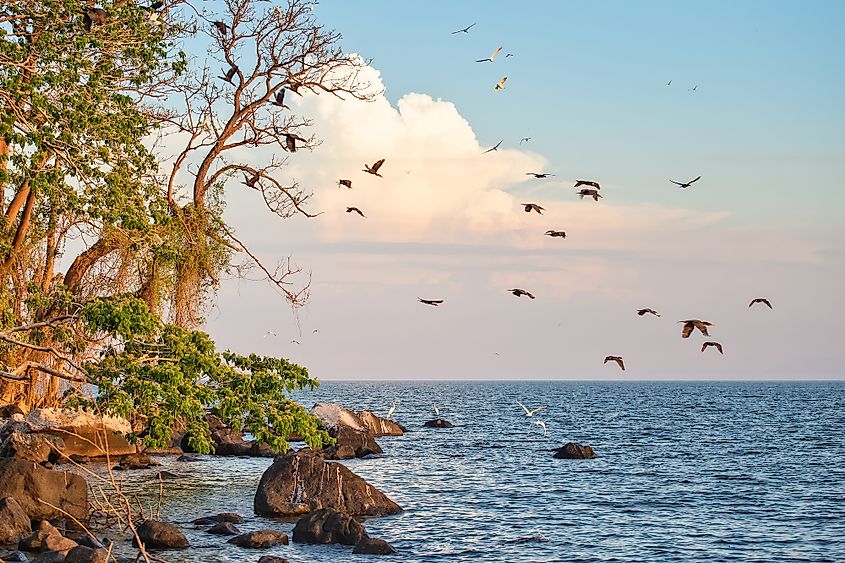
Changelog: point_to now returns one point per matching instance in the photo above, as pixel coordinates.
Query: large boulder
(14, 523)
(80, 432)
(46, 537)
(373, 546)
(571, 450)
(301, 482)
(9, 410)
(438, 423)
(260, 539)
(36, 489)
(84, 554)
(17, 441)
(224, 529)
(351, 443)
(230, 442)
(380, 426)
(161, 535)
(328, 526)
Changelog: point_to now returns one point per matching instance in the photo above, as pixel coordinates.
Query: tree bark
(83, 262)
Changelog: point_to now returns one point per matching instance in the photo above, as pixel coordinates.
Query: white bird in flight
(492, 57)
(269, 333)
(531, 412)
(541, 424)
(436, 410)
(390, 410)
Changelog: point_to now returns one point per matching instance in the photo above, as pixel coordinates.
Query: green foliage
(164, 375)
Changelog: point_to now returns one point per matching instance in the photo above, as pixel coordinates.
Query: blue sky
(765, 129)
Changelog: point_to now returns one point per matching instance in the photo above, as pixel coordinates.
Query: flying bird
(221, 27)
(464, 30)
(501, 84)
(669, 83)
(356, 210)
(551, 233)
(691, 324)
(587, 183)
(760, 300)
(250, 181)
(541, 424)
(617, 359)
(589, 193)
(295, 342)
(508, 55)
(539, 174)
(290, 141)
(374, 168)
(685, 184)
(436, 410)
(492, 57)
(94, 16)
(269, 333)
(520, 292)
(347, 183)
(529, 207)
(391, 410)
(531, 412)
(434, 302)
(715, 344)
(280, 99)
(230, 74)
(495, 147)
(524, 140)
(642, 312)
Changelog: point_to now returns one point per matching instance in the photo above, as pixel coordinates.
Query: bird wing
(495, 54)
(703, 328)
(529, 294)
(766, 301)
(621, 363)
(377, 164)
(719, 348)
(538, 409)
(704, 346)
(676, 183)
(436, 410)
(696, 180)
(687, 330)
(527, 412)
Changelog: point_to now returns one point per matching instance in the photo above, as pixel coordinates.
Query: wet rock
(10, 410)
(232, 517)
(161, 535)
(260, 539)
(351, 443)
(80, 459)
(136, 461)
(84, 554)
(328, 526)
(373, 546)
(167, 475)
(188, 458)
(50, 557)
(272, 559)
(89, 541)
(58, 542)
(224, 529)
(10, 556)
(36, 488)
(301, 482)
(438, 423)
(38, 539)
(380, 426)
(14, 523)
(571, 450)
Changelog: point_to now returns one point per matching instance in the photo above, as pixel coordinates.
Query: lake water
(685, 472)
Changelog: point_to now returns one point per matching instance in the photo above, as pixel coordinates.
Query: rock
(58, 542)
(136, 461)
(438, 423)
(224, 529)
(14, 523)
(300, 482)
(35, 542)
(84, 554)
(272, 559)
(10, 556)
(351, 443)
(34, 487)
(82, 432)
(380, 426)
(80, 459)
(328, 526)
(260, 539)
(18, 442)
(89, 541)
(572, 450)
(161, 535)
(232, 517)
(9, 410)
(50, 557)
(373, 546)
(188, 458)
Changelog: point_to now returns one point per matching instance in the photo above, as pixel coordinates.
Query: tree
(84, 90)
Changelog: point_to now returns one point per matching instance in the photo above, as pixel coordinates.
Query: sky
(588, 83)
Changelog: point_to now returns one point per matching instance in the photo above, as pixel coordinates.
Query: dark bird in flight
(617, 359)
(642, 312)
(347, 183)
(356, 210)
(230, 74)
(716, 344)
(589, 193)
(560, 234)
(587, 183)
(492, 57)
(685, 184)
(524, 140)
(761, 300)
(669, 83)
(374, 168)
(494, 148)
(691, 324)
(520, 292)
(539, 174)
(295, 342)
(250, 181)
(221, 27)
(94, 16)
(280, 99)
(433, 302)
(501, 84)
(464, 30)
(694, 88)
(290, 141)
(508, 55)
(529, 207)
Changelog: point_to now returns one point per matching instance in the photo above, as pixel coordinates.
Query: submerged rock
(298, 483)
(373, 546)
(14, 523)
(438, 423)
(272, 559)
(136, 461)
(36, 488)
(224, 529)
(260, 539)
(328, 526)
(571, 450)
(84, 554)
(161, 535)
(232, 517)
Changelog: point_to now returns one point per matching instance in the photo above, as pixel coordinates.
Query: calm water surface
(685, 472)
